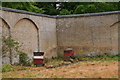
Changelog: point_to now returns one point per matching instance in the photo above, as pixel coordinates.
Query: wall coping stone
(60, 16)
(25, 12)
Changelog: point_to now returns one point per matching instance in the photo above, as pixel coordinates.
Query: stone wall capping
(61, 16)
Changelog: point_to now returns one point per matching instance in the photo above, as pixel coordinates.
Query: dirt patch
(86, 69)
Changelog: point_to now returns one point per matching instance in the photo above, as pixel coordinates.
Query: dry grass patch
(85, 69)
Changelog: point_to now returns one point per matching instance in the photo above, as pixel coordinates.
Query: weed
(24, 59)
(7, 68)
(115, 76)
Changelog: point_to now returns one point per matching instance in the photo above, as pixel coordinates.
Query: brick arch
(27, 33)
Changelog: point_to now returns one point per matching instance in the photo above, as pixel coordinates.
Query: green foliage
(28, 6)
(7, 68)
(90, 8)
(10, 43)
(24, 59)
(10, 46)
(53, 11)
(80, 9)
(64, 8)
(33, 8)
(64, 12)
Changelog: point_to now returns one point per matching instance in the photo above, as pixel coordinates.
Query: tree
(28, 6)
(79, 9)
(64, 8)
(64, 12)
(90, 9)
(10, 46)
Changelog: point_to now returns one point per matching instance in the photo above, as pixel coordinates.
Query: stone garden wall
(88, 34)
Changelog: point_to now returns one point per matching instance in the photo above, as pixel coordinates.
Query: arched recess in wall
(5, 28)
(115, 23)
(27, 33)
(114, 30)
(5, 33)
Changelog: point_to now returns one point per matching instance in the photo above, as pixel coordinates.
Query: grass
(115, 76)
(54, 61)
(61, 72)
(59, 61)
(56, 76)
(100, 58)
